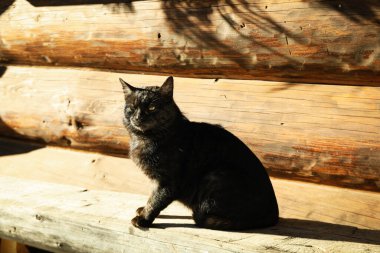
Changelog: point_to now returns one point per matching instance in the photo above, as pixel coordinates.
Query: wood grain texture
(73, 219)
(304, 41)
(297, 200)
(319, 133)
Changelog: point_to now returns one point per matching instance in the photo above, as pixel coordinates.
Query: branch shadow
(357, 11)
(308, 229)
(195, 20)
(192, 19)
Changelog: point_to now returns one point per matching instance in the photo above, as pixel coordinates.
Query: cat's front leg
(160, 198)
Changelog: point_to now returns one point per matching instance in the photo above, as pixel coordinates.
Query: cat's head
(149, 109)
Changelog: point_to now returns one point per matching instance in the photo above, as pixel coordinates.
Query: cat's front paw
(140, 221)
(139, 211)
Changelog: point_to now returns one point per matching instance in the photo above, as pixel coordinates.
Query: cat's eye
(151, 108)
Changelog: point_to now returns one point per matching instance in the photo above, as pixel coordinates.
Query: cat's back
(210, 132)
(220, 145)
(228, 166)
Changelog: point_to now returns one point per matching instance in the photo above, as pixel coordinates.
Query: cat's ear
(127, 88)
(167, 88)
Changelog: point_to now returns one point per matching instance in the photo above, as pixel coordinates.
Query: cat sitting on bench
(201, 165)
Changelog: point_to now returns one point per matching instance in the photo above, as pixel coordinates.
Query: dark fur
(201, 165)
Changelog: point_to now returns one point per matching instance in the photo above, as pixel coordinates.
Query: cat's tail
(219, 223)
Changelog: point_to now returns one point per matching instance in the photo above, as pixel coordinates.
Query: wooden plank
(319, 133)
(302, 201)
(74, 219)
(7, 246)
(304, 41)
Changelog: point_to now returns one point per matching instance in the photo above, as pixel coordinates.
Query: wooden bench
(65, 218)
(297, 81)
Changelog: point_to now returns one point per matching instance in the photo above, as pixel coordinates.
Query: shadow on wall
(14, 146)
(116, 6)
(39, 3)
(9, 138)
(357, 11)
(192, 20)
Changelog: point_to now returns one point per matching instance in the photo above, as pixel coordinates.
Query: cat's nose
(138, 114)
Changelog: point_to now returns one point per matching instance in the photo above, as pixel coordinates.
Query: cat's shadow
(298, 228)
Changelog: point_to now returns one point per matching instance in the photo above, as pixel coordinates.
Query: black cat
(201, 165)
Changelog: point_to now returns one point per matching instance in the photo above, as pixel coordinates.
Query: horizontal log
(319, 133)
(305, 41)
(102, 172)
(73, 219)
(69, 166)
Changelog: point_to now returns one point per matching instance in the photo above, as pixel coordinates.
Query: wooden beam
(319, 133)
(74, 219)
(61, 165)
(303, 201)
(7, 246)
(304, 41)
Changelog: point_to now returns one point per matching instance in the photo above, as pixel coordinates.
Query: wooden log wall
(313, 41)
(318, 133)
